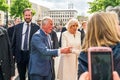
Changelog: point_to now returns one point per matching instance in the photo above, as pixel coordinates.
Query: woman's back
(116, 57)
(83, 61)
(102, 30)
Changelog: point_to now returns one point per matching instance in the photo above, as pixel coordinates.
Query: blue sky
(80, 5)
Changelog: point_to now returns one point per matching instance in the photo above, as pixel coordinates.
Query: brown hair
(27, 9)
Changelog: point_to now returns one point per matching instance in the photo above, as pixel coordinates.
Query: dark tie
(51, 59)
(25, 47)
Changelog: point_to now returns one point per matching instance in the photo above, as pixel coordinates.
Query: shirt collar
(27, 23)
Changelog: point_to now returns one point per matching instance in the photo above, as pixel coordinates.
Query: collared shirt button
(1, 60)
(3, 74)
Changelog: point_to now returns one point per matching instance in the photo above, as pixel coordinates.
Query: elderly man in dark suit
(21, 42)
(40, 65)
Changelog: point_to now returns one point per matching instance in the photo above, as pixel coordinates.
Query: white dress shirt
(23, 34)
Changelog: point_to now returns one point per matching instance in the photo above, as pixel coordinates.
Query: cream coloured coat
(68, 65)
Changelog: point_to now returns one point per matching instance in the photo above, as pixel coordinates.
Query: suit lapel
(45, 38)
(20, 33)
(31, 30)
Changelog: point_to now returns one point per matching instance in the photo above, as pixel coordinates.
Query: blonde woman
(102, 30)
(69, 63)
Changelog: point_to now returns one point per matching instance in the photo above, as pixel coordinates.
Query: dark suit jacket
(55, 45)
(54, 39)
(82, 35)
(17, 39)
(63, 29)
(41, 55)
(6, 57)
(10, 32)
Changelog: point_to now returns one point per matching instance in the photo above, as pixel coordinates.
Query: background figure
(54, 38)
(17, 21)
(102, 30)
(21, 42)
(83, 30)
(7, 67)
(69, 63)
(115, 9)
(40, 65)
(63, 29)
(55, 45)
(39, 22)
(11, 29)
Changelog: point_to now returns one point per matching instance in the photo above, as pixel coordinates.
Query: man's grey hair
(45, 20)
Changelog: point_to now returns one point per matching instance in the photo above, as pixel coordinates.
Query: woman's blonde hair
(102, 30)
(71, 22)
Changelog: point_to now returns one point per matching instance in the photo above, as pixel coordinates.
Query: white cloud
(80, 5)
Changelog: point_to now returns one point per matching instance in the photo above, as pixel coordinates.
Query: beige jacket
(68, 65)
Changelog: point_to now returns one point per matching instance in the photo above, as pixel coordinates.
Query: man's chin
(27, 21)
(50, 31)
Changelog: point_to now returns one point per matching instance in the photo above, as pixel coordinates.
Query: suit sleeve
(38, 43)
(10, 55)
(13, 42)
(55, 40)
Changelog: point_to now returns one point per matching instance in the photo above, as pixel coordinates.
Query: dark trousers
(38, 77)
(1, 75)
(53, 70)
(23, 65)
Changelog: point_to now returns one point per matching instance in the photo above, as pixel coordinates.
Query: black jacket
(17, 40)
(54, 38)
(10, 32)
(6, 57)
(82, 35)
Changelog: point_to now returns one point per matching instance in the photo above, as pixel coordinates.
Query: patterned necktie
(25, 46)
(49, 41)
(50, 47)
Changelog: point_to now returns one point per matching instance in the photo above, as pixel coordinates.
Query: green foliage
(101, 5)
(33, 11)
(17, 7)
(3, 5)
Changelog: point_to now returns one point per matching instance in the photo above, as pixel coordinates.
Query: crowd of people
(34, 47)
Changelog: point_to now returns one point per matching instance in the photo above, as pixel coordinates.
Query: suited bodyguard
(40, 65)
(7, 66)
(21, 42)
(55, 45)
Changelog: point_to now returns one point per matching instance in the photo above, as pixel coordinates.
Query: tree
(101, 5)
(17, 7)
(3, 5)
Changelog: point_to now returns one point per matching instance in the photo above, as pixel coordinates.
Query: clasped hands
(66, 50)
